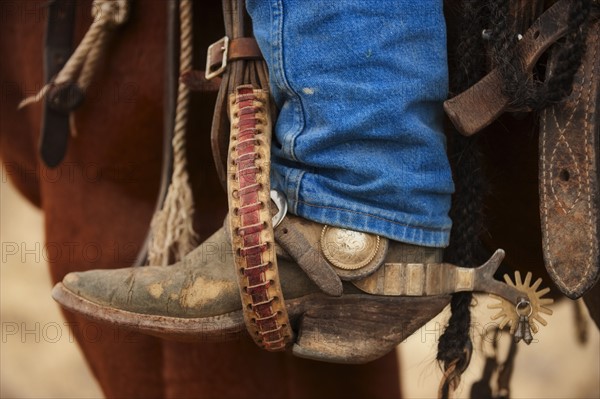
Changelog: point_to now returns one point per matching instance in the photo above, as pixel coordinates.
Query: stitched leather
(568, 178)
(250, 226)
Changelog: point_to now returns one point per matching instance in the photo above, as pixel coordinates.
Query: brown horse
(101, 198)
(98, 204)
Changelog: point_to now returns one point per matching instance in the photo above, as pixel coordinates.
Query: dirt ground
(39, 358)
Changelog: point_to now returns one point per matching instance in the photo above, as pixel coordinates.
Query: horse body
(99, 202)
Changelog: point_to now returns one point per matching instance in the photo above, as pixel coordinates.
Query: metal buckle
(223, 45)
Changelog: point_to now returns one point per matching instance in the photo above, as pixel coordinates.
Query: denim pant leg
(359, 85)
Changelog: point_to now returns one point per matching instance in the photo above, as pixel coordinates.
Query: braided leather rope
(250, 223)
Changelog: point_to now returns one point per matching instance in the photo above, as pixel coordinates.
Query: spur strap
(58, 48)
(568, 178)
(250, 222)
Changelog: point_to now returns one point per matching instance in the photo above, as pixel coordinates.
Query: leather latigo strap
(568, 178)
(250, 223)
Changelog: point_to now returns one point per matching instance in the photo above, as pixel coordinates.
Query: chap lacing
(265, 313)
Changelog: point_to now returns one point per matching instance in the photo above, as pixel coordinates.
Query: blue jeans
(359, 85)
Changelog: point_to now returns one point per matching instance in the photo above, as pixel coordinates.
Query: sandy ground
(39, 358)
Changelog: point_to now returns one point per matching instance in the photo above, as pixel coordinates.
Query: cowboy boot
(333, 294)
(336, 284)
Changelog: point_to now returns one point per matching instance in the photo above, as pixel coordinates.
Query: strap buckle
(221, 48)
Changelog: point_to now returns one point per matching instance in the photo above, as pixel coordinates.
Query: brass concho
(347, 249)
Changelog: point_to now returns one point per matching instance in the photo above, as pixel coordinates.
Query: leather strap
(238, 72)
(250, 223)
(196, 81)
(241, 48)
(478, 106)
(568, 178)
(57, 50)
(300, 239)
(242, 158)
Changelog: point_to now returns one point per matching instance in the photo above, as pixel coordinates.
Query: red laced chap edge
(265, 313)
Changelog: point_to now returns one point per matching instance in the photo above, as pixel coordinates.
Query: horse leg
(241, 370)
(80, 202)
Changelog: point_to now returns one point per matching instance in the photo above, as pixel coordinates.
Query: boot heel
(357, 329)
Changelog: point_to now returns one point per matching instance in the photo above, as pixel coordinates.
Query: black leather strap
(57, 50)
